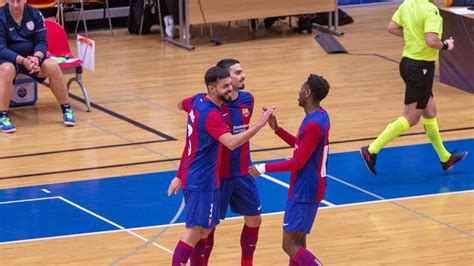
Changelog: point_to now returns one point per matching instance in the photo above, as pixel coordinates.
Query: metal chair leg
(82, 13)
(158, 5)
(110, 16)
(78, 80)
(142, 18)
(211, 32)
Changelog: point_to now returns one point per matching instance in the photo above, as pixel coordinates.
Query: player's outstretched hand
(253, 171)
(174, 187)
(272, 121)
(267, 112)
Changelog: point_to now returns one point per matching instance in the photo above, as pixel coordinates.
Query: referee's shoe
(455, 158)
(369, 159)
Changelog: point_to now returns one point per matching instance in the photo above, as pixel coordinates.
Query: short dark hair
(319, 87)
(227, 63)
(214, 74)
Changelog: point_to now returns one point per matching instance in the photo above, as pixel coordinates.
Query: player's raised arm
(234, 141)
(281, 132)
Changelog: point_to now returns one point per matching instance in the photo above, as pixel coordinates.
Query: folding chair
(58, 45)
(82, 14)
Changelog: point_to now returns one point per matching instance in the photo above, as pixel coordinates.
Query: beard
(224, 97)
(242, 87)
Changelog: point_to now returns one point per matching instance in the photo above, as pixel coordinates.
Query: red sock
(248, 242)
(305, 258)
(293, 263)
(208, 249)
(198, 253)
(181, 254)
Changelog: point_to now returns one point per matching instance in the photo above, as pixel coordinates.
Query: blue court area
(140, 200)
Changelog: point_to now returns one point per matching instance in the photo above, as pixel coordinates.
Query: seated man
(23, 46)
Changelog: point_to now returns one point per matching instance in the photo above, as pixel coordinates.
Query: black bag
(135, 16)
(304, 24)
(323, 18)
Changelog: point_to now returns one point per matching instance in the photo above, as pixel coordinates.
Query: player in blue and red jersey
(198, 173)
(308, 170)
(238, 189)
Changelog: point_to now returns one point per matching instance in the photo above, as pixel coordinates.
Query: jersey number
(325, 159)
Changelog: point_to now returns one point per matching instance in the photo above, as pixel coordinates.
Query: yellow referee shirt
(418, 17)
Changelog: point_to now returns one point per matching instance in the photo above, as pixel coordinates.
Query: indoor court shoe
(5, 125)
(68, 117)
(369, 159)
(455, 158)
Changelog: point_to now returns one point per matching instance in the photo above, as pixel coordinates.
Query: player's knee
(7, 71)
(258, 220)
(205, 233)
(290, 247)
(413, 121)
(412, 118)
(430, 113)
(253, 221)
(193, 234)
(50, 67)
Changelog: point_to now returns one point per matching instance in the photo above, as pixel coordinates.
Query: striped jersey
(200, 162)
(309, 161)
(237, 114)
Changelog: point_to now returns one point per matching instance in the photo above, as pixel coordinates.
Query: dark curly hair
(319, 87)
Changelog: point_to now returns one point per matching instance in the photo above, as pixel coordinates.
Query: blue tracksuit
(24, 39)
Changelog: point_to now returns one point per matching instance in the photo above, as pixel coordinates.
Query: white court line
(402, 206)
(230, 218)
(46, 191)
(397, 199)
(27, 200)
(112, 223)
(122, 229)
(281, 183)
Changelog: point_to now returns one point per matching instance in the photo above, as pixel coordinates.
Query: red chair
(58, 46)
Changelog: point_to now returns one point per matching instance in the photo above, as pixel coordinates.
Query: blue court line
(140, 201)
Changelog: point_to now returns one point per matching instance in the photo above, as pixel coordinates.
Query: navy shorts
(21, 69)
(299, 216)
(202, 208)
(241, 193)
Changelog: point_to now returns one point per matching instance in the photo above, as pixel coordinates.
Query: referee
(419, 23)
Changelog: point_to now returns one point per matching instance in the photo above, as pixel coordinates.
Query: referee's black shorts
(418, 76)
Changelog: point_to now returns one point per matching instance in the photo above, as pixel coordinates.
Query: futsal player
(308, 170)
(198, 173)
(238, 189)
